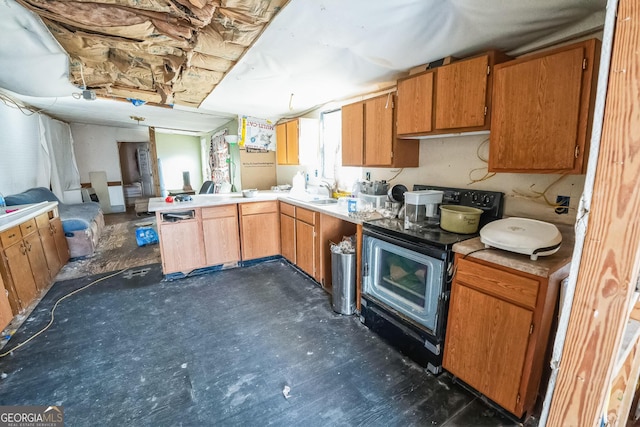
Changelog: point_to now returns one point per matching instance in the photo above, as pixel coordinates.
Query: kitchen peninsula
(217, 231)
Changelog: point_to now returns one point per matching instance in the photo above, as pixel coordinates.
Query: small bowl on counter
(252, 192)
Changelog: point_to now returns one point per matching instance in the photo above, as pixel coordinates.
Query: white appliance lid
(522, 235)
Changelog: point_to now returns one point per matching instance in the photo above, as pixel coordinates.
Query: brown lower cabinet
(498, 330)
(32, 254)
(306, 236)
(259, 229)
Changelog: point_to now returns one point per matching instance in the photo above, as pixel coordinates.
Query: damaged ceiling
(286, 57)
(158, 51)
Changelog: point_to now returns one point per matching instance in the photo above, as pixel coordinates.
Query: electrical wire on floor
(22, 344)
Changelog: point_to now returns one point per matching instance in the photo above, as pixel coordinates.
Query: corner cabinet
(298, 237)
(542, 110)
(452, 98)
(498, 330)
(259, 230)
(306, 236)
(369, 137)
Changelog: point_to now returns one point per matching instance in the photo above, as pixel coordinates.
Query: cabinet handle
(23, 249)
(11, 236)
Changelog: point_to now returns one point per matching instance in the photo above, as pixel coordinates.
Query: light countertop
(23, 213)
(158, 204)
(544, 266)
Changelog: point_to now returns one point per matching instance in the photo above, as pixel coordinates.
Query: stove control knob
(474, 197)
(487, 200)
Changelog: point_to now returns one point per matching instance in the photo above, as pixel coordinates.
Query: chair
(207, 187)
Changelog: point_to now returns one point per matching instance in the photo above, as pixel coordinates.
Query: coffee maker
(421, 208)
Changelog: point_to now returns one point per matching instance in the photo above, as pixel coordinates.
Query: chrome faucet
(328, 186)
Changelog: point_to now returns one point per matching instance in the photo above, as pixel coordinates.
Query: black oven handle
(425, 249)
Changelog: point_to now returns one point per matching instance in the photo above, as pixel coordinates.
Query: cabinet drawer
(287, 209)
(502, 284)
(10, 236)
(306, 215)
(42, 220)
(28, 227)
(258, 207)
(219, 212)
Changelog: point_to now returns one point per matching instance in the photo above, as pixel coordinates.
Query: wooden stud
(608, 268)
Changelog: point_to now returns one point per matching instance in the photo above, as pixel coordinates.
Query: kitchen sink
(324, 201)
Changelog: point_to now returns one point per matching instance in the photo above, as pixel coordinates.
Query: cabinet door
(61, 242)
(536, 113)
(415, 104)
(5, 308)
(461, 94)
(378, 131)
(292, 142)
(260, 235)
(288, 237)
(221, 240)
(24, 285)
(37, 260)
(353, 134)
(281, 143)
(305, 247)
(50, 250)
(486, 342)
(182, 246)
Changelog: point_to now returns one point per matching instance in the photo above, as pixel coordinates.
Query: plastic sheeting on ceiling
(159, 51)
(314, 52)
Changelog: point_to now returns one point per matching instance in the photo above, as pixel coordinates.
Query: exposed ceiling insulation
(158, 51)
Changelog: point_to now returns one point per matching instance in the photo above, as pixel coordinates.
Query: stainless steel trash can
(343, 283)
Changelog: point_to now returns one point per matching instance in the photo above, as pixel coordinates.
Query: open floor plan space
(255, 345)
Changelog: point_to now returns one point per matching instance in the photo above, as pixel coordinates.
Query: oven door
(405, 276)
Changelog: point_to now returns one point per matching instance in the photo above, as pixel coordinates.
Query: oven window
(404, 277)
(407, 281)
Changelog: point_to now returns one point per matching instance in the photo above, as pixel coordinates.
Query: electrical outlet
(563, 204)
(367, 176)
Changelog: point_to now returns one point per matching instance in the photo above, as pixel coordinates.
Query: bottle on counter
(3, 202)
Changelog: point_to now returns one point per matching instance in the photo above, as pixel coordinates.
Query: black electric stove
(407, 274)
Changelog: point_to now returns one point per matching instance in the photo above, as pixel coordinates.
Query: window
(331, 138)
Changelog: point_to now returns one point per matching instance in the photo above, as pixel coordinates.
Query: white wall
(19, 151)
(449, 161)
(96, 149)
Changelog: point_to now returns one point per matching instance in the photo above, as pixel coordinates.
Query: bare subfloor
(255, 345)
(117, 248)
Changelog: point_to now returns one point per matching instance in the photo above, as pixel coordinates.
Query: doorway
(135, 169)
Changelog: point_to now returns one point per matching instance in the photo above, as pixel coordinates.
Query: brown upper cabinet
(287, 143)
(451, 98)
(297, 141)
(369, 138)
(542, 110)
